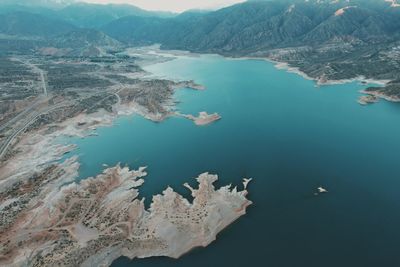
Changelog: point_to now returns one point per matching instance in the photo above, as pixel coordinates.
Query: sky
(171, 5)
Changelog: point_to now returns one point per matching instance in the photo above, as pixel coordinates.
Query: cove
(291, 137)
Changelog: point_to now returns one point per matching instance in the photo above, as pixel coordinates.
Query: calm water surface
(291, 137)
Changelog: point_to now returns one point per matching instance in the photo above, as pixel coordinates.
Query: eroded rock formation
(49, 220)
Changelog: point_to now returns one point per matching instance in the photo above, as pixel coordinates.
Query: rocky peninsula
(368, 99)
(93, 222)
(203, 118)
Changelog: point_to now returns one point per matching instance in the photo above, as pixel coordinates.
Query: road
(38, 70)
(33, 117)
(43, 82)
(118, 98)
(4, 147)
(20, 115)
(34, 104)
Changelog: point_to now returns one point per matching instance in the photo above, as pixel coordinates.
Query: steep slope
(94, 15)
(80, 14)
(140, 30)
(32, 25)
(22, 32)
(264, 24)
(357, 22)
(85, 37)
(328, 40)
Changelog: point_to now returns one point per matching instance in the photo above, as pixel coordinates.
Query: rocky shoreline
(367, 99)
(377, 94)
(96, 221)
(321, 81)
(202, 119)
(370, 97)
(48, 219)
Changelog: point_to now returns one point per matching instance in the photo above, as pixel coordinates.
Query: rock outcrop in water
(203, 118)
(45, 222)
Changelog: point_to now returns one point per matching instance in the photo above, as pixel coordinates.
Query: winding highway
(34, 104)
(19, 115)
(31, 119)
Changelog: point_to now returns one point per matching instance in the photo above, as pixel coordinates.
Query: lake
(291, 137)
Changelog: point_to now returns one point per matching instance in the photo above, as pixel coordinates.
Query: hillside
(264, 24)
(25, 33)
(79, 14)
(94, 16)
(32, 25)
(328, 40)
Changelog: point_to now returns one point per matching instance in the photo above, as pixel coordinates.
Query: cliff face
(100, 219)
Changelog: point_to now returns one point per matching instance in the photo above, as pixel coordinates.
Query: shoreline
(116, 189)
(281, 65)
(42, 146)
(202, 119)
(82, 125)
(381, 95)
(102, 118)
(40, 152)
(319, 82)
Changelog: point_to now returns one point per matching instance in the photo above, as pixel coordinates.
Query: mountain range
(80, 14)
(326, 39)
(257, 25)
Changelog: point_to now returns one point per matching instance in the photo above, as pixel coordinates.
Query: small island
(203, 118)
(367, 99)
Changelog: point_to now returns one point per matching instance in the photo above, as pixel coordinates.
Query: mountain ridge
(327, 40)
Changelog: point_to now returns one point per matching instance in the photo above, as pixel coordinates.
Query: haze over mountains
(258, 25)
(267, 23)
(327, 39)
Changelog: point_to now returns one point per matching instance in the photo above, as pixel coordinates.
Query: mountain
(256, 25)
(85, 37)
(84, 15)
(21, 32)
(39, 3)
(81, 43)
(23, 24)
(96, 15)
(326, 39)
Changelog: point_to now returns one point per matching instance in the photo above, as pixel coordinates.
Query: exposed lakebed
(291, 137)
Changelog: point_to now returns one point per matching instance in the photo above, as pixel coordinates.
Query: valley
(115, 121)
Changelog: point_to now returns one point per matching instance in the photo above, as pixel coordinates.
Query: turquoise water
(291, 137)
